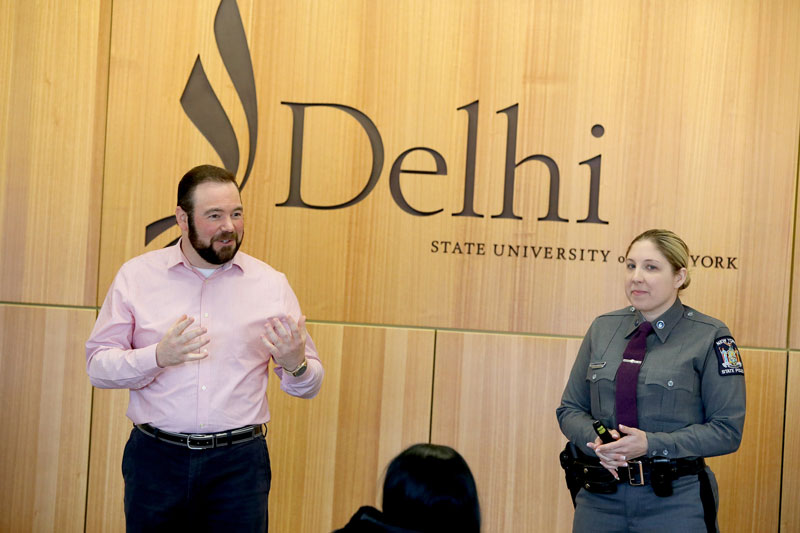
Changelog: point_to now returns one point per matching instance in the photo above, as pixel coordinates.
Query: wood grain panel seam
(783, 432)
(88, 464)
(50, 306)
(500, 333)
(433, 387)
(98, 299)
(794, 247)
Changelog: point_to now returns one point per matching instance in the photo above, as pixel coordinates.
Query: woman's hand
(616, 454)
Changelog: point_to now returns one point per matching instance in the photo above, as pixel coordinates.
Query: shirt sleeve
(723, 398)
(308, 384)
(111, 361)
(574, 413)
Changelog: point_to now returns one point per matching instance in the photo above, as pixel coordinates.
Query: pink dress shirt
(227, 389)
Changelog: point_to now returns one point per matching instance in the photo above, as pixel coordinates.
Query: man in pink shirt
(190, 329)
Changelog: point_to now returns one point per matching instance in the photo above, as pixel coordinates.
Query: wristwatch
(300, 370)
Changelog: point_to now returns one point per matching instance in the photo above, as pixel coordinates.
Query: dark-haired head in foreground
(428, 488)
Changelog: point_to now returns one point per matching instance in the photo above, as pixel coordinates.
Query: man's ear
(183, 218)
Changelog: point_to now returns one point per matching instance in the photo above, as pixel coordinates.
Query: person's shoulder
(624, 312)
(615, 316)
(611, 320)
(255, 266)
(702, 319)
(370, 520)
(153, 258)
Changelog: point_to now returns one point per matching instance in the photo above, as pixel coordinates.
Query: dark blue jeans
(171, 488)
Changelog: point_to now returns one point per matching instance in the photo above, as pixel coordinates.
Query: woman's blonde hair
(669, 244)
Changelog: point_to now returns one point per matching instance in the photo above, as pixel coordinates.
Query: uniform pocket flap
(670, 379)
(598, 370)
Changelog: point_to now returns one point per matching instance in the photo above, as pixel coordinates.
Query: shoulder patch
(728, 358)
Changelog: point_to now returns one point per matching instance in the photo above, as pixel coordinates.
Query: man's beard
(207, 252)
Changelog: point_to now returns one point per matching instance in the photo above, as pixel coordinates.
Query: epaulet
(697, 316)
(625, 311)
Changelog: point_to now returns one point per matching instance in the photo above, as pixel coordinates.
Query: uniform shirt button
(205, 315)
(670, 383)
(690, 313)
(635, 322)
(660, 324)
(665, 452)
(203, 387)
(632, 309)
(654, 453)
(594, 376)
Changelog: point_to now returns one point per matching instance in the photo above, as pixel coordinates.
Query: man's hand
(180, 345)
(285, 340)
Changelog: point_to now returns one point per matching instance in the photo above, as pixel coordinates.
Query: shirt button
(665, 452)
(654, 452)
(670, 383)
(632, 309)
(205, 315)
(204, 387)
(690, 313)
(594, 376)
(660, 324)
(202, 425)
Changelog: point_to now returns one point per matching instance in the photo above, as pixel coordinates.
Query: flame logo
(202, 106)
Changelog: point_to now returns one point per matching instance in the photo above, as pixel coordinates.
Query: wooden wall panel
(494, 401)
(700, 104)
(331, 451)
(790, 495)
(794, 324)
(750, 486)
(53, 88)
(329, 454)
(105, 509)
(46, 399)
(499, 412)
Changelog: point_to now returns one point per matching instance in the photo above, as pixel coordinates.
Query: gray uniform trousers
(639, 510)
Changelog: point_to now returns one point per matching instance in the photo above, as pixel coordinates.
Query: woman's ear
(680, 278)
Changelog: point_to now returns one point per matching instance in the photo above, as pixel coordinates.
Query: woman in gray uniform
(668, 383)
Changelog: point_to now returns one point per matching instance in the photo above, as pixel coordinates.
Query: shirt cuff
(146, 361)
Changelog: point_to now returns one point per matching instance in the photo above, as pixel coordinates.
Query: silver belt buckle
(635, 469)
(199, 436)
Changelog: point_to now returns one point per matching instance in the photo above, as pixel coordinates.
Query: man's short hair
(199, 175)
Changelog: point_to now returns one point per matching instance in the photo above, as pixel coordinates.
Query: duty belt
(640, 471)
(584, 471)
(204, 441)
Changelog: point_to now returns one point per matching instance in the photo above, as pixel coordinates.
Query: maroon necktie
(628, 376)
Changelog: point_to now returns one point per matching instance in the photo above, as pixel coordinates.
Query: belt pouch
(585, 472)
(661, 475)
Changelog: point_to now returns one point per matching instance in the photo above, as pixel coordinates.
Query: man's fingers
(273, 351)
(188, 336)
(196, 356)
(181, 324)
(281, 328)
(298, 328)
(195, 346)
(271, 335)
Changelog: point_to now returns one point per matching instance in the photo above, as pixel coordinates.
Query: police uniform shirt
(691, 388)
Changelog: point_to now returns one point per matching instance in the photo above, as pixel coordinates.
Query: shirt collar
(663, 325)
(177, 257)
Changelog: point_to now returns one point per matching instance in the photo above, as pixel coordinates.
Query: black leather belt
(204, 441)
(639, 471)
